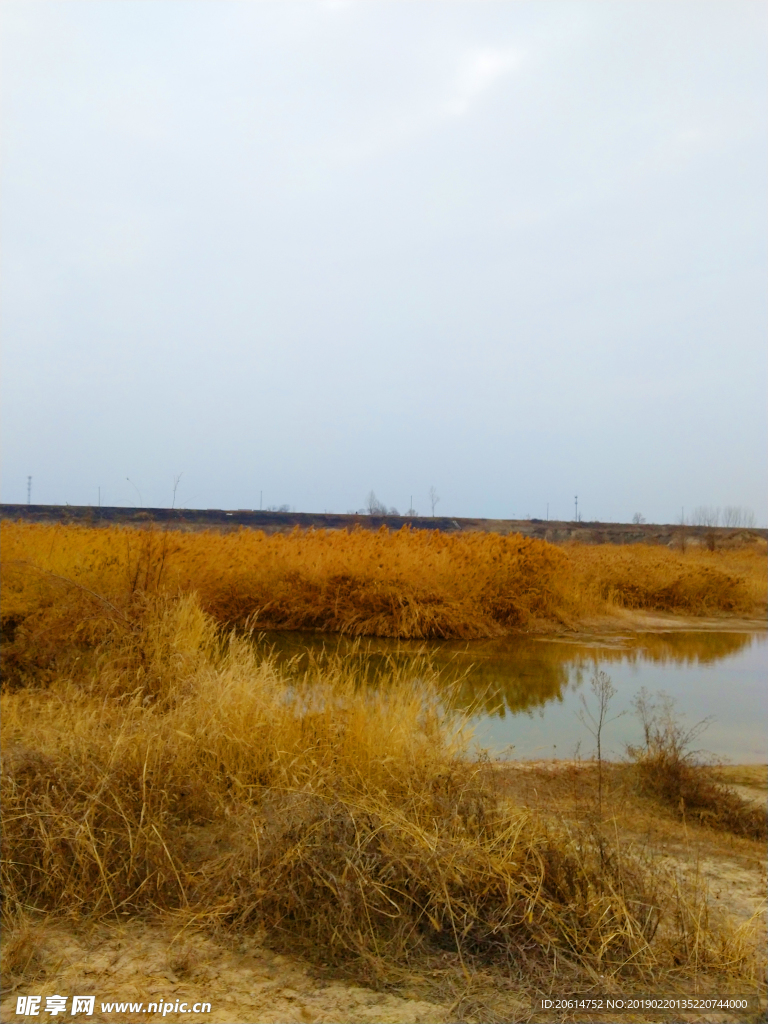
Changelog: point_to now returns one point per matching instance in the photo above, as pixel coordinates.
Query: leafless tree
(736, 516)
(373, 506)
(705, 515)
(176, 480)
(683, 533)
(434, 497)
(638, 518)
(604, 691)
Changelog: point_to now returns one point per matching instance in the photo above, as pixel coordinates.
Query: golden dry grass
(82, 583)
(653, 578)
(177, 769)
(155, 761)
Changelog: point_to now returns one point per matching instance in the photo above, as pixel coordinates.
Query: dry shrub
(666, 768)
(342, 814)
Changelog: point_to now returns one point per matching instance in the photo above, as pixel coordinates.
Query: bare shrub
(595, 721)
(669, 769)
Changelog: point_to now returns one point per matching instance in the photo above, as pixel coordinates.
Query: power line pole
(29, 490)
(576, 514)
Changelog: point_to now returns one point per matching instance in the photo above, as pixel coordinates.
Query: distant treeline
(283, 521)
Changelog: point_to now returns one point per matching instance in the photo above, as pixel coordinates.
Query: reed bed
(652, 578)
(66, 588)
(179, 769)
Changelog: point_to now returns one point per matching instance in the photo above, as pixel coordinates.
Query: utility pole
(29, 490)
(576, 515)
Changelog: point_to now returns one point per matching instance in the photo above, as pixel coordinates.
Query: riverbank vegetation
(156, 761)
(178, 770)
(79, 583)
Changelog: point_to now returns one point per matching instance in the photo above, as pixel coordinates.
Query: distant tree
(736, 516)
(176, 482)
(434, 497)
(373, 506)
(705, 515)
(278, 508)
(638, 518)
(683, 532)
(393, 511)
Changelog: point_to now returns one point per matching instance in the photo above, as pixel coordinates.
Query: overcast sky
(514, 250)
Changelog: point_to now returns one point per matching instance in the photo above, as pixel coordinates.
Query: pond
(526, 693)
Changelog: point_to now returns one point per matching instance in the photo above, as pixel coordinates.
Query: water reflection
(512, 674)
(692, 648)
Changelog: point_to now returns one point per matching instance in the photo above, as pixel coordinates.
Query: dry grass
(24, 954)
(154, 762)
(65, 589)
(180, 770)
(653, 578)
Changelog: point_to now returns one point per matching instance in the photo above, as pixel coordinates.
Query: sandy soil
(143, 963)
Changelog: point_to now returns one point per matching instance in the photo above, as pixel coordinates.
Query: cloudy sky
(514, 250)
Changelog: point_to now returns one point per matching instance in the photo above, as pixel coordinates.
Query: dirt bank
(623, 620)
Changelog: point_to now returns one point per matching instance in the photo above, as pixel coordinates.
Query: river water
(527, 694)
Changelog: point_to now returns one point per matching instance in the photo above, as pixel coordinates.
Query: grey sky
(515, 250)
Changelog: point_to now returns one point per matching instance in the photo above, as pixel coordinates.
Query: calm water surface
(526, 693)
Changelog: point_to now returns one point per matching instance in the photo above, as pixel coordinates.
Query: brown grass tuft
(24, 954)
